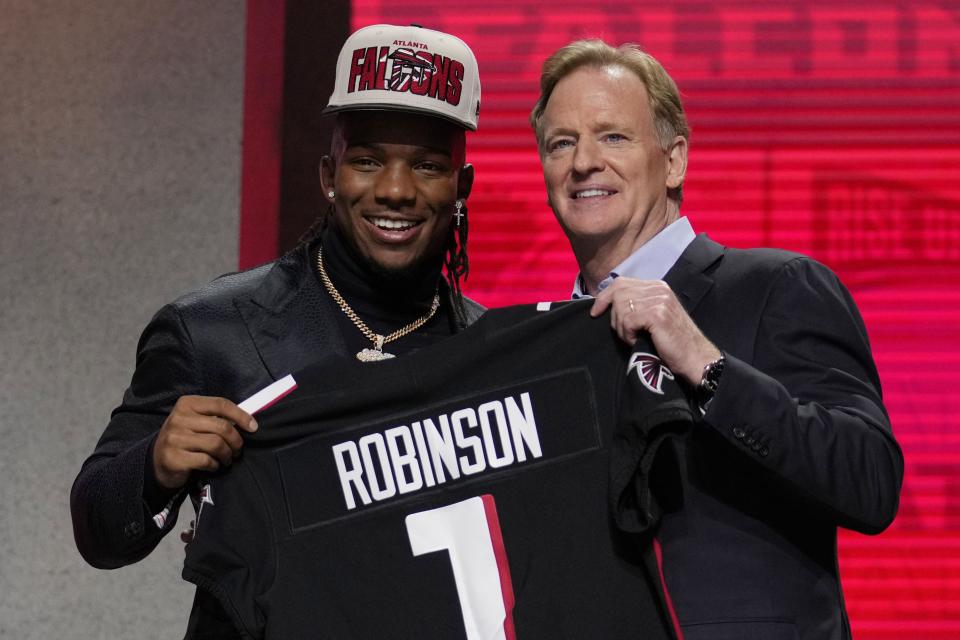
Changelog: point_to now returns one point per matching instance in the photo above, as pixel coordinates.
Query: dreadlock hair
(315, 230)
(455, 258)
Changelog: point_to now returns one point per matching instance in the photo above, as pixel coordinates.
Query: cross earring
(458, 214)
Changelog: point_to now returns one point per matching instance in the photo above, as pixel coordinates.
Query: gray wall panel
(120, 127)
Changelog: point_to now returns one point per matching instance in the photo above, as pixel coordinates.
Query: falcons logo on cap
(650, 370)
(407, 68)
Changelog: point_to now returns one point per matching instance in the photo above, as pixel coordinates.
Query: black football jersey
(495, 485)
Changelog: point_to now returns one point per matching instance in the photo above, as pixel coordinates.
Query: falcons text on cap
(650, 370)
(418, 72)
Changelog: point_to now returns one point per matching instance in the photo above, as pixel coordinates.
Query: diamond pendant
(373, 355)
(377, 353)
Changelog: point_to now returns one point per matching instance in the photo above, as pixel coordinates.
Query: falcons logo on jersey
(650, 370)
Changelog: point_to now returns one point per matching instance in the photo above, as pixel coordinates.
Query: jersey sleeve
(232, 555)
(654, 409)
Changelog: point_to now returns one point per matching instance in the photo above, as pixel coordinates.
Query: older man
(794, 440)
(367, 282)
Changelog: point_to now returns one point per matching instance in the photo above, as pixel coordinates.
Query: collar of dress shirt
(649, 262)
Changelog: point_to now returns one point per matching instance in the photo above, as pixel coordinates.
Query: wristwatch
(710, 381)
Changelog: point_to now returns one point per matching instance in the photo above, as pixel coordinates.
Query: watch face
(711, 376)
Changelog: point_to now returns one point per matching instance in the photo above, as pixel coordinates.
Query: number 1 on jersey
(470, 532)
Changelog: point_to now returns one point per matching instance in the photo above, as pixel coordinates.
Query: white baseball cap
(408, 69)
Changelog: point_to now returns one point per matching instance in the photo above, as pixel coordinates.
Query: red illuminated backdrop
(832, 129)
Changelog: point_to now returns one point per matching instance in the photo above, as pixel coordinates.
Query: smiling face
(396, 177)
(606, 173)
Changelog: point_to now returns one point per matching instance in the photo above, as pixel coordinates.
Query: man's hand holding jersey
(200, 434)
(650, 305)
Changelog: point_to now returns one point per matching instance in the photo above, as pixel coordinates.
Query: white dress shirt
(649, 262)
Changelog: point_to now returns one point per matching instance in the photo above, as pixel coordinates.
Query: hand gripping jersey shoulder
(493, 485)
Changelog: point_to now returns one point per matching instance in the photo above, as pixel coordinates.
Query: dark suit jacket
(230, 338)
(795, 443)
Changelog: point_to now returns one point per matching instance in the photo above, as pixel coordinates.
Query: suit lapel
(688, 277)
(288, 317)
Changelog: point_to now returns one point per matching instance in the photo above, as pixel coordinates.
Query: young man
(794, 440)
(368, 284)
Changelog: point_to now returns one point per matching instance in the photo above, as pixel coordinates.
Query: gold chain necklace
(377, 353)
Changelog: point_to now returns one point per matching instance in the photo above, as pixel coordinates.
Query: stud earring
(330, 193)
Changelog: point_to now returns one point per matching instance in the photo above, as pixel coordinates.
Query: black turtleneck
(384, 301)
